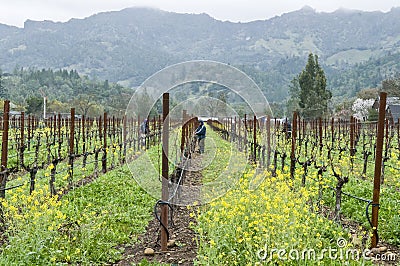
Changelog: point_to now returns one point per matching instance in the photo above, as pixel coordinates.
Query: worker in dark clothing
(287, 128)
(201, 135)
(144, 131)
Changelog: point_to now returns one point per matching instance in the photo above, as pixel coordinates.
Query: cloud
(17, 11)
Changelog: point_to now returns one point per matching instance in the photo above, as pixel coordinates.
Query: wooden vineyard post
(153, 135)
(124, 133)
(22, 148)
(255, 139)
(4, 149)
(139, 136)
(398, 136)
(112, 140)
(352, 127)
(238, 134)
(183, 135)
(29, 132)
(321, 145)
(352, 149)
(100, 127)
(234, 135)
(268, 141)
(113, 130)
(104, 159)
(59, 135)
(230, 129)
(71, 145)
(147, 137)
(132, 132)
(53, 127)
(164, 195)
(378, 168)
(159, 128)
(292, 154)
(299, 135)
(245, 133)
(83, 141)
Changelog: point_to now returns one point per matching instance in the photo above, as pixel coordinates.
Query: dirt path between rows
(184, 249)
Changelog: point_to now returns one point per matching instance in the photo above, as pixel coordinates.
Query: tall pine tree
(3, 90)
(392, 86)
(314, 95)
(292, 104)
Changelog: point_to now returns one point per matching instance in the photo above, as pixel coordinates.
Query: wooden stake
(268, 141)
(255, 138)
(378, 168)
(4, 148)
(164, 196)
(104, 159)
(292, 154)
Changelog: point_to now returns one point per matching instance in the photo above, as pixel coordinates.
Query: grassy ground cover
(87, 226)
(249, 227)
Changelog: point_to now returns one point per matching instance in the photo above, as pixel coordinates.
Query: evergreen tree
(314, 95)
(34, 106)
(3, 91)
(294, 92)
(392, 86)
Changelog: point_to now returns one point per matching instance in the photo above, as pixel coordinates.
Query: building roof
(389, 101)
(395, 111)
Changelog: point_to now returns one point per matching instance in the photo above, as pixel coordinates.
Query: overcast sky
(15, 12)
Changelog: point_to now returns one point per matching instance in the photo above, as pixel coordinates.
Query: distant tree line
(26, 89)
(308, 93)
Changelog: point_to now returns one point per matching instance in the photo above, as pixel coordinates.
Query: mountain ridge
(129, 45)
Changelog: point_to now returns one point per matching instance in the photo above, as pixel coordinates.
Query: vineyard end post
(378, 168)
(4, 148)
(164, 195)
(71, 146)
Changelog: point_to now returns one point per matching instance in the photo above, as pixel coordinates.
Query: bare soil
(184, 251)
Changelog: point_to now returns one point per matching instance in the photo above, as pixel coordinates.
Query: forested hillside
(357, 49)
(64, 89)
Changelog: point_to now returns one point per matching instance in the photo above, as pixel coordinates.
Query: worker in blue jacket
(201, 135)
